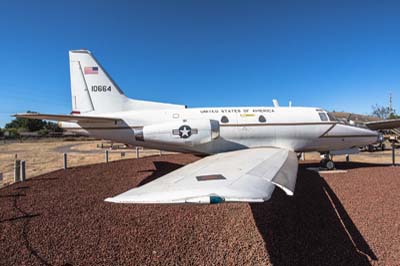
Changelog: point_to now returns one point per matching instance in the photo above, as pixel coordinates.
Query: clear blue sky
(340, 55)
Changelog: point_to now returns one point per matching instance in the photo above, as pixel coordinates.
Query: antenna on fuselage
(275, 102)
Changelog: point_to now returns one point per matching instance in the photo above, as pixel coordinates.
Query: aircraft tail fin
(93, 90)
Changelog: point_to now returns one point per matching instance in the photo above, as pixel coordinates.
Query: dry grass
(47, 155)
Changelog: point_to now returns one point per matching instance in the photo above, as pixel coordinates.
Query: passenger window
(262, 119)
(323, 117)
(224, 119)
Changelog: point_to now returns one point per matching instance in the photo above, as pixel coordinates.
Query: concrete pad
(320, 171)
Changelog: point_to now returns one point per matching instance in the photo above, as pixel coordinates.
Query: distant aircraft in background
(251, 149)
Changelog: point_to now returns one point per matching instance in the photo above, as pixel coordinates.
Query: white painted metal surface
(248, 175)
(263, 140)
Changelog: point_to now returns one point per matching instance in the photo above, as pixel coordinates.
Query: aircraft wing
(248, 175)
(67, 118)
(383, 124)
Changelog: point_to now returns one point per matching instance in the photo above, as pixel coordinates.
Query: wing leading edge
(240, 176)
(68, 118)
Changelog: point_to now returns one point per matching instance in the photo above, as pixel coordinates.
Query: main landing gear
(327, 162)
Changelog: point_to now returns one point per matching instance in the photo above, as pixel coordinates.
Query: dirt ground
(61, 218)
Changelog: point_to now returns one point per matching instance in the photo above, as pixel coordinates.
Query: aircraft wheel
(370, 148)
(330, 165)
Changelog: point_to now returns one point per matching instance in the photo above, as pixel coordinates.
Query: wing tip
(112, 200)
(25, 114)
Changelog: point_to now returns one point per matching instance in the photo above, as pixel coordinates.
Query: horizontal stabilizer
(384, 124)
(67, 118)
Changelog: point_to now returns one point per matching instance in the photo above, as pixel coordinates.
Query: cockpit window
(332, 117)
(323, 116)
(224, 119)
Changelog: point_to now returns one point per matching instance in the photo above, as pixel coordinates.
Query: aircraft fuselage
(294, 128)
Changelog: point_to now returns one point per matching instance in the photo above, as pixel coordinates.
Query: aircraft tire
(370, 148)
(329, 164)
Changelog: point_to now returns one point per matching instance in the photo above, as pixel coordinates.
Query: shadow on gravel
(28, 216)
(25, 217)
(162, 168)
(346, 166)
(12, 195)
(310, 228)
(41, 179)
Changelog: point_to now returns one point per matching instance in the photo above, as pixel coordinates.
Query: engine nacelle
(182, 132)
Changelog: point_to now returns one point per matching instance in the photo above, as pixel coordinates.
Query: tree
(53, 127)
(28, 124)
(382, 112)
(393, 116)
(13, 133)
(32, 125)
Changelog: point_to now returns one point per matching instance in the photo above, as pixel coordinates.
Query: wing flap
(240, 176)
(286, 177)
(67, 118)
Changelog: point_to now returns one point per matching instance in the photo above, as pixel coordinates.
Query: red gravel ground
(339, 219)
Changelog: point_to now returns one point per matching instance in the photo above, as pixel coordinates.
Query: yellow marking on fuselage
(247, 115)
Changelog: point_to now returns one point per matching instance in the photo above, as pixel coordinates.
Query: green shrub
(43, 132)
(13, 133)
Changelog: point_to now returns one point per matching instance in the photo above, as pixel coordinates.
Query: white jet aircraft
(251, 149)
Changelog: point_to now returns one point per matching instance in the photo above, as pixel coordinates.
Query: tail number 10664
(101, 88)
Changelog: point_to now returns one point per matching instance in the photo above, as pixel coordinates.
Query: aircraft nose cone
(351, 131)
(356, 136)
